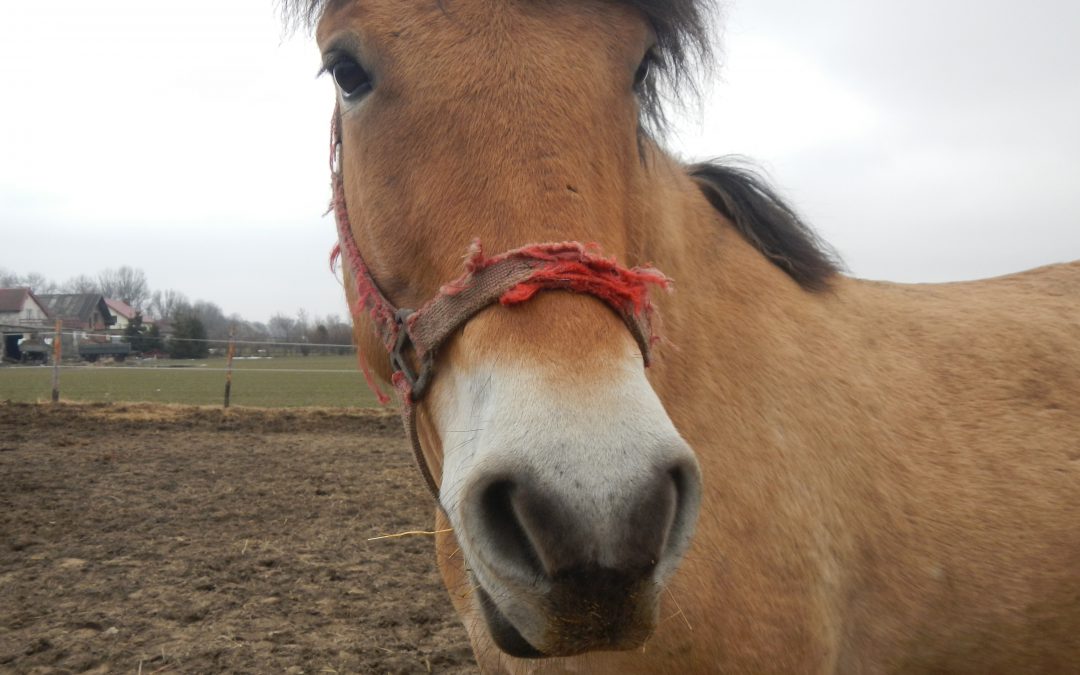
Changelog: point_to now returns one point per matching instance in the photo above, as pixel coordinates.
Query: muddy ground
(138, 538)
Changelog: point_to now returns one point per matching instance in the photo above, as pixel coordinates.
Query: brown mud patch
(178, 539)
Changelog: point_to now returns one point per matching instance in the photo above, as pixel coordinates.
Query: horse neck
(744, 348)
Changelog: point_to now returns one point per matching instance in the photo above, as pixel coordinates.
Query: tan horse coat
(891, 472)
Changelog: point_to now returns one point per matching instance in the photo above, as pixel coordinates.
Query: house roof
(121, 308)
(76, 309)
(14, 299)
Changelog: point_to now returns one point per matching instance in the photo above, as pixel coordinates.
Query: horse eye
(351, 78)
(643, 69)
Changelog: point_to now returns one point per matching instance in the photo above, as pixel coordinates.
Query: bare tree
(167, 304)
(211, 316)
(39, 284)
(8, 279)
(320, 335)
(80, 284)
(339, 332)
(126, 284)
(282, 328)
(253, 330)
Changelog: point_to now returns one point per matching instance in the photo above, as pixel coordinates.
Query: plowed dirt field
(167, 539)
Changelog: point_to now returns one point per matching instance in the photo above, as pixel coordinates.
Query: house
(87, 312)
(123, 312)
(85, 316)
(21, 314)
(20, 307)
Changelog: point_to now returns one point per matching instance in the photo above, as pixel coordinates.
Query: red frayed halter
(509, 278)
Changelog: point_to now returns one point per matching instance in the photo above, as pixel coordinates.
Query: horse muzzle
(556, 579)
(571, 517)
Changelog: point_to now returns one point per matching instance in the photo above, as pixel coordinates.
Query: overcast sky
(928, 140)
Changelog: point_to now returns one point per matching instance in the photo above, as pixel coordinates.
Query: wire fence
(116, 337)
(272, 373)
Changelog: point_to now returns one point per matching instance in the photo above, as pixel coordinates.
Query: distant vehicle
(34, 352)
(92, 351)
(30, 350)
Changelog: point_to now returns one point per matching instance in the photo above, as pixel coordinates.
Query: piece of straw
(410, 533)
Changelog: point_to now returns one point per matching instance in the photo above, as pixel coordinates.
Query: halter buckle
(400, 362)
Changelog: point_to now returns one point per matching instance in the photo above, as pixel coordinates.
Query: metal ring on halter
(400, 362)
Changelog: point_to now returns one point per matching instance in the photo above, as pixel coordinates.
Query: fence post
(228, 364)
(57, 351)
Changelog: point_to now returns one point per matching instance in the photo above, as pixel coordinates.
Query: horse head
(570, 492)
(886, 474)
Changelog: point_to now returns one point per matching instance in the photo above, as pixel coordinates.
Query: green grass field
(329, 381)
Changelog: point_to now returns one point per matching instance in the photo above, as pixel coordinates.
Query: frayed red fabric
(570, 266)
(362, 298)
(369, 298)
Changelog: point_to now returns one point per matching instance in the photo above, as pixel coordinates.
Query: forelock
(683, 46)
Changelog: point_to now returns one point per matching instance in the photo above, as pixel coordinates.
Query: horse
(770, 466)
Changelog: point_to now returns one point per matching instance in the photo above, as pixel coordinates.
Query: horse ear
(767, 222)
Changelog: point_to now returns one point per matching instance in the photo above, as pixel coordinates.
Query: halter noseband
(509, 278)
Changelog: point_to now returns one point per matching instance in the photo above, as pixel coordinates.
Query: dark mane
(682, 45)
(767, 222)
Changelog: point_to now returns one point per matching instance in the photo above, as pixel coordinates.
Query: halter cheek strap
(508, 279)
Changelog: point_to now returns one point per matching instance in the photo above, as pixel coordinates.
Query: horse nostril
(685, 476)
(651, 521)
(500, 518)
